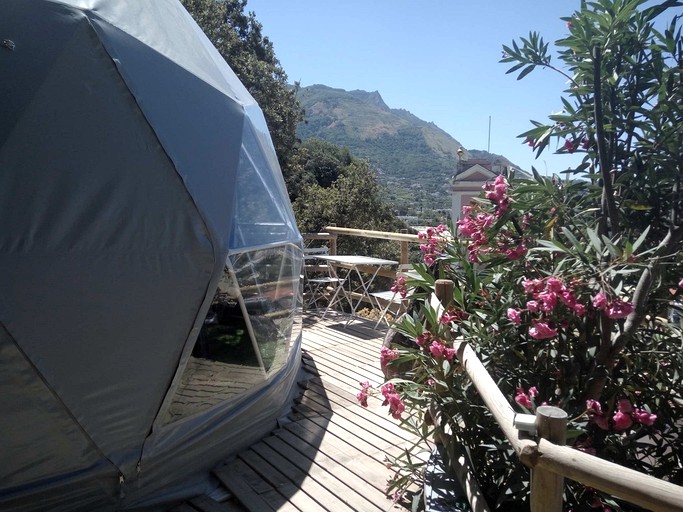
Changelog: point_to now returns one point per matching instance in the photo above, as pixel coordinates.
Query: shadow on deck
(330, 452)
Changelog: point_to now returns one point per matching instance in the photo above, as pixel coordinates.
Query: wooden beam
(367, 233)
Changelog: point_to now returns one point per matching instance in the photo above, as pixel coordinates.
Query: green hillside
(415, 159)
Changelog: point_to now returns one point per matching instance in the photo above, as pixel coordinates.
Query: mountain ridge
(405, 150)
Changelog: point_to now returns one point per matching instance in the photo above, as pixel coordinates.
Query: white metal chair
(318, 277)
(392, 299)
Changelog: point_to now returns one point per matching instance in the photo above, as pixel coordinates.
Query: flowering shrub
(563, 286)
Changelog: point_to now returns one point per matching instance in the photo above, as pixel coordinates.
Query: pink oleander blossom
(532, 286)
(452, 315)
(523, 399)
(440, 351)
(542, 331)
(593, 407)
(579, 309)
(517, 252)
(548, 301)
(514, 316)
(554, 284)
(363, 394)
(399, 287)
(644, 417)
(424, 339)
(600, 301)
(386, 356)
(393, 400)
(622, 421)
(624, 405)
(532, 306)
(619, 309)
(596, 415)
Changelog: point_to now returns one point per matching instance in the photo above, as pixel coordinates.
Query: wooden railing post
(546, 486)
(333, 243)
(443, 289)
(404, 249)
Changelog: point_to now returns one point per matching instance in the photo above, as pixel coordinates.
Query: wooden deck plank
(331, 454)
(333, 459)
(362, 419)
(318, 484)
(332, 397)
(352, 373)
(295, 494)
(248, 487)
(374, 446)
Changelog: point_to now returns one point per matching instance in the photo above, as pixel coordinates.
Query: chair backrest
(311, 253)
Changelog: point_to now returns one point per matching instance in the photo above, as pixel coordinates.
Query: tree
(344, 191)
(624, 109)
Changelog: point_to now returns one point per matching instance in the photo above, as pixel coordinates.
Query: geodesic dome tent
(149, 258)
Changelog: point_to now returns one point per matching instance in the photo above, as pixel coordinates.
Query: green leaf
(641, 239)
(595, 240)
(526, 71)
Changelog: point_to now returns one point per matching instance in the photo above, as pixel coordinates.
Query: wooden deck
(331, 455)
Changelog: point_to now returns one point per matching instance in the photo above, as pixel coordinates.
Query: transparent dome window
(248, 333)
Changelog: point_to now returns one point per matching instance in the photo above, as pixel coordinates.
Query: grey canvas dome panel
(135, 170)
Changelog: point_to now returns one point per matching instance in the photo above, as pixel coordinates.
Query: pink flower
(622, 421)
(624, 405)
(568, 298)
(514, 316)
(399, 286)
(554, 284)
(644, 417)
(387, 388)
(595, 414)
(515, 253)
(393, 400)
(569, 146)
(362, 395)
(600, 301)
(533, 392)
(542, 331)
(579, 309)
(532, 286)
(424, 339)
(386, 356)
(532, 306)
(441, 351)
(452, 315)
(548, 301)
(619, 309)
(593, 407)
(523, 399)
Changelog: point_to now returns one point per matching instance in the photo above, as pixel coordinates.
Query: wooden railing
(548, 458)
(332, 232)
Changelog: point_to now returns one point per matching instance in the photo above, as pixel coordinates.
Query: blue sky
(437, 59)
